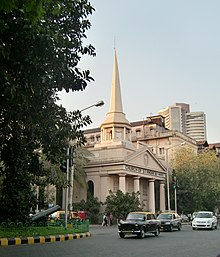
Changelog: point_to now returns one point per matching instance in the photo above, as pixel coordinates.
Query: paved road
(105, 242)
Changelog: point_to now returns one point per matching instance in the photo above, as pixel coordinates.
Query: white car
(205, 219)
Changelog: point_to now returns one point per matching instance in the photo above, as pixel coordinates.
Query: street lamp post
(168, 179)
(67, 179)
(99, 103)
(71, 155)
(175, 199)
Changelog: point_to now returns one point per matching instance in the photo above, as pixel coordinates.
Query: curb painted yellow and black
(41, 239)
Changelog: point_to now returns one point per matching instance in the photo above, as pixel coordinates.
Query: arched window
(91, 187)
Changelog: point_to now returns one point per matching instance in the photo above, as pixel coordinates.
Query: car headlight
(136, 225)
(208, 221)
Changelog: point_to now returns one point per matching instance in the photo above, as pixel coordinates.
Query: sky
(168, 51)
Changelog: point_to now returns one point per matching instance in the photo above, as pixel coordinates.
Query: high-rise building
(196, 125)
(175, 116)
(178, 117)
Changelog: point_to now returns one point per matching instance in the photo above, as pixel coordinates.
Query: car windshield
(204, 215)
(135, 216)
(165, 216)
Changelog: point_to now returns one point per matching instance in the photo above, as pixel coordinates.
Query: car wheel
(142, 234)
(179, 227)
(122, 235)
(216, 226)
(193, 228)
(157, 232)
(171, 228)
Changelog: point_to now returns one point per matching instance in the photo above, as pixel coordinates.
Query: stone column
(122, 182)
(113, 133)
(151, 196)
(101, 135)
(136, 184)
(162, 196)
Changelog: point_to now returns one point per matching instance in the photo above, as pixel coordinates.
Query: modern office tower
(178, 117)
(196, 125)
(175, 116)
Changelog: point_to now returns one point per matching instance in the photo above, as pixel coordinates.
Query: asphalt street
(104, 241)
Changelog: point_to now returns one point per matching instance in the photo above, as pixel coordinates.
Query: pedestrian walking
(110, 219)
(104, 220)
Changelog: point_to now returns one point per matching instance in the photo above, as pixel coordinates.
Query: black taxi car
(170, 221)
(139, 223)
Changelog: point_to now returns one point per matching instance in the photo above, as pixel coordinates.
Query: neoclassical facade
(118, 164)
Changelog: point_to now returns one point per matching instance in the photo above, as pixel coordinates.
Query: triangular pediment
(144, 158)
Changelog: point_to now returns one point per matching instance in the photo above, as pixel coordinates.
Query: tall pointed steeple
(115, 101)
(116, 127)
(115, 114)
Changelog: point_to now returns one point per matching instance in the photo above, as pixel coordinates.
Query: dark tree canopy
(41, 44)
(120, 204)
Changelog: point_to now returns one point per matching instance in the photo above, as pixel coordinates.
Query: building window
(161, 151)
(144, 189)
(138, 132)
(115, 185)
(92, 139)
(109, 134)
(98, 138)
(130, 186)
(91, 187)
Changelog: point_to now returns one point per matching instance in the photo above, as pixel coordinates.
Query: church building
(119, 164)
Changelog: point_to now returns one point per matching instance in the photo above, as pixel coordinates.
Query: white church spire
(115, 114)
(115, 101)
(116, 127)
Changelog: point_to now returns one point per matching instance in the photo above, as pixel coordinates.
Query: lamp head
(100, 103)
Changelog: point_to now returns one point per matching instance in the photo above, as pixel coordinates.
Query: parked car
(60, 215)
(139, 223)
(205, 219)
(184, 218)
(170, 221)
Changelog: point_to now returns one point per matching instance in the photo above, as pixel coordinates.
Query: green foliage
(39, 56)
(49, 230)
(81, 161)
(91, 206)
(198, 180)
(33, 9)
(120, 204)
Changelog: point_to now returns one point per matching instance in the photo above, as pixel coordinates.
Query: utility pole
(67, 180)
(72, 163)
(174, 187)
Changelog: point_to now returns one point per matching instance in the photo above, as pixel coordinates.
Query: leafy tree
(39, 56)
(120, 204)
(91, 206)
(198, 180)
(81, 161)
